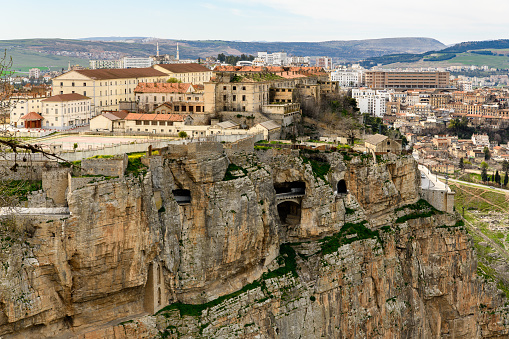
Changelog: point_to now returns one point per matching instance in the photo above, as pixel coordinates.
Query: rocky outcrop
(210, 235)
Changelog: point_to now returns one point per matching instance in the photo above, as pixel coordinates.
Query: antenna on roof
(178, 51)
(157, 49)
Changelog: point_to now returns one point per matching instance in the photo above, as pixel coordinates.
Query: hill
(493, 53)
(57, 52)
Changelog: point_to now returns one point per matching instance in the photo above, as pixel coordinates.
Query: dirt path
(499, 249)
(476, 194)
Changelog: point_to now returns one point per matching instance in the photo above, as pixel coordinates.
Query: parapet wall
(55, 182)
(195, 150)
(442, 200)
(111, 167)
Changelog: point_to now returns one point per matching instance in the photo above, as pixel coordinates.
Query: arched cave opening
(182, 196)
(289, 212)
(342, 187)
(296, 187)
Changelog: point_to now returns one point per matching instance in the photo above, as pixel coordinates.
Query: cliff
(272, 244)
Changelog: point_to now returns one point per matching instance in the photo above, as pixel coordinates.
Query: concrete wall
(55, 182)
(111, 167)
(442, 200)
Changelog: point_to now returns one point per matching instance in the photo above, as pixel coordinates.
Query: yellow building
(106, 87)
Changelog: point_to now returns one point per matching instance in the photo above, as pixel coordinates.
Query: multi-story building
(136, 62)
(106, 87)
(151, 95)
(347, 78)
(407, 80)
(21, 105)
(98, 64)
(373, 102)
(34, 73)
(481, 140)
(272, 59)
(66, 111)
(324, 62)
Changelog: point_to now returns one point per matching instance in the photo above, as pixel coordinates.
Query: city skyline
(261, 20)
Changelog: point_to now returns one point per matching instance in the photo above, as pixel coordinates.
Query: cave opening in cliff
(182, 196)
(296, 187)
(289, 212)
(342, 187)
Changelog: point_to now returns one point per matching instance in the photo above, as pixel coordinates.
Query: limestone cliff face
(204, 228)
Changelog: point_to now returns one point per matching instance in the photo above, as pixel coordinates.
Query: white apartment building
(482, 140)
(324, 62)
(21, 106)
(299, 61)
(98, 64)
(134, 62)
(34, 73)
(347, 78)
(272, 59)
(373, 102)
(66, 111)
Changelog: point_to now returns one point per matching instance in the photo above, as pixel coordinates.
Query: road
(503, 190)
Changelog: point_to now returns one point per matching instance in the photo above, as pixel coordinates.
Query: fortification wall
(111, 167)
(55, 182)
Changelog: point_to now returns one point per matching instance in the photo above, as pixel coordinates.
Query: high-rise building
(382, 79)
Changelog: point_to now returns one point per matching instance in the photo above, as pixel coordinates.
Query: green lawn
(479, 60)
(23, 60)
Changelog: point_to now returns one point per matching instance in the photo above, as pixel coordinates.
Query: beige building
(66, 111)
(382, 144)
(381, 79)
(21, 106)
(151, 95)
(187, 73)
(106, 87)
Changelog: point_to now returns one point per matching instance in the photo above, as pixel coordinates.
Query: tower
(178, 51)
(157, 53)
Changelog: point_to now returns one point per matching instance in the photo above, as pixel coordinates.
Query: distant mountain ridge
(352, 50)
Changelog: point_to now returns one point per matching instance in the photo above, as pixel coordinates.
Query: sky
(258, 20)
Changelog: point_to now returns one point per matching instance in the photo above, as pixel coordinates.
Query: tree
(506, 179)
(505, 166)
(484, 171)
(487, 154)
(461, 164)
(350, 127)
(182, 134)
(497, 178)
(173, 81)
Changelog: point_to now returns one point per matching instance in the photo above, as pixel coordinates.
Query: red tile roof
(156, 117)
(32, 116)
(184, 68)
(163, 87)
(106, 74)
(66, 97)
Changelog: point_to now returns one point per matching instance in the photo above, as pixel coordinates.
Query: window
(85, 93)
(146, 122)
(163, 111)
(155, 98)
(224, 97)
(138, 122)
(56, 119)
(72, 92)
(163, 99)
(234, 97)
(243, 88)
(56, 110)
(234, 88)
(100, 103)
(162, 123)
(154, 122)
(61, 84)
(224, 88)
(183, 108)
(197, 99)
(72, 84)
(61, 92)
(243, 98)
(84, 84)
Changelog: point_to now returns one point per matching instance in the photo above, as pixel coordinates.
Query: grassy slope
(479, 60)
(491, 245)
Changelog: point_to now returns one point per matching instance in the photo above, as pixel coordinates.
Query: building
(186, 72)
(34, 73)
(373, 102)
(347, 78)
(406, 80)
(136, 62)
(272, 59)
(20, 106)
(324, 62)
(150, 95)
(98, 64)
(481, 140)
(109, 121)
(66, 111)
(382, 144)
(106, 87)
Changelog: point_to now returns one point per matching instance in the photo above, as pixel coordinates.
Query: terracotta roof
(163, 87)
(115, 115)
(184, 68)
(106, 74)
(156, 117)
(32, 116)
(66, 97)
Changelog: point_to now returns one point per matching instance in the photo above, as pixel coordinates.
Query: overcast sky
(248, 20)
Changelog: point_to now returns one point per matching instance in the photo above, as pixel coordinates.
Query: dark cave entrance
(289, 212)
(182, 196)
(342, 187)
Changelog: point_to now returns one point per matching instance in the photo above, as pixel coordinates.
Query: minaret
(178, 51)
(157, 49)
